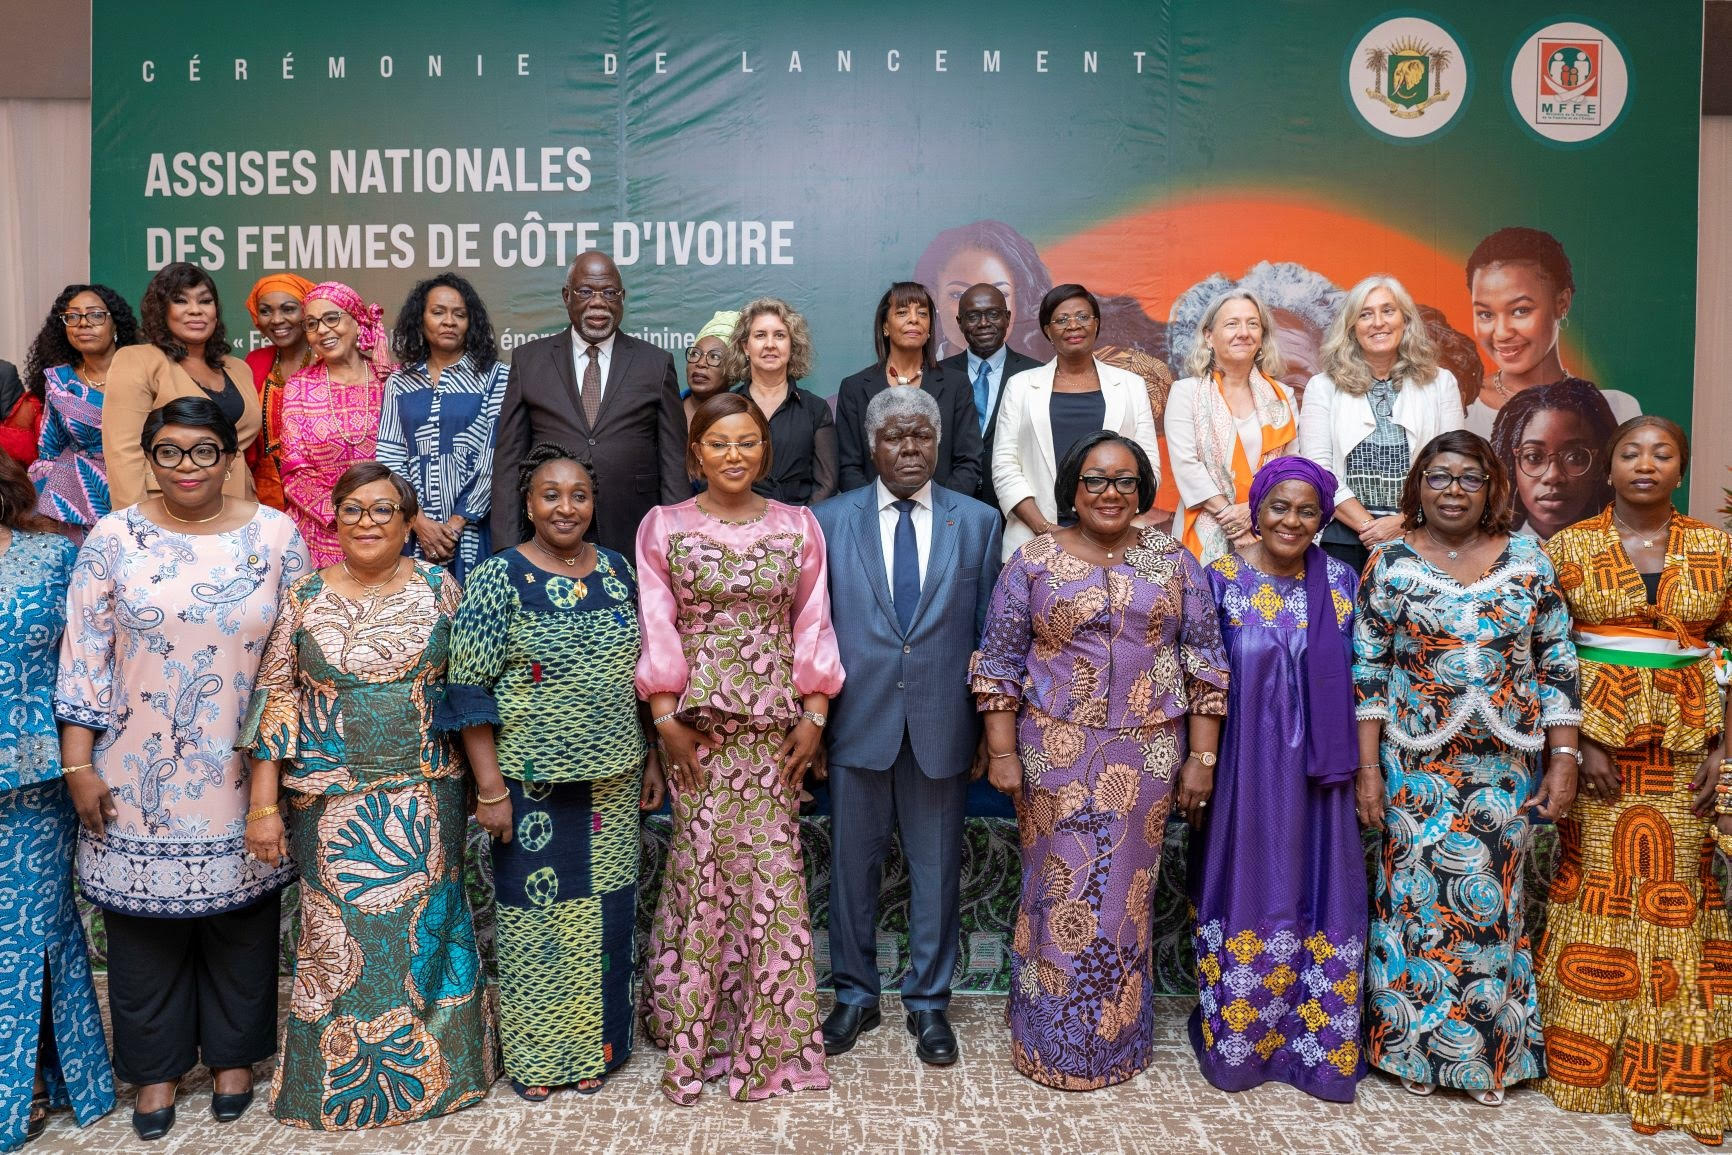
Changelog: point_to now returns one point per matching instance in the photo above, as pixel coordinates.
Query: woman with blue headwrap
(1276, 871)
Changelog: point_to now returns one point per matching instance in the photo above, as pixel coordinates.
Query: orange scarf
(1223, 454)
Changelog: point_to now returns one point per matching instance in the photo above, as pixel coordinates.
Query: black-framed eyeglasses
(1439, 480)
(1574, 461)
(204, 455)
(91, 317)
(707, 356)
(584, 293)
(1097, 483)
(981, 316)
(332, 321)
(379, 512)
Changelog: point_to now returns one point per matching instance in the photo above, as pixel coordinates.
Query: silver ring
(1202, 802)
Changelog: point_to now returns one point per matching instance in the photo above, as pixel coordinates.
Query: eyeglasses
(379, 513)
(981, 316)
(91, 317)
(585, 293)
(204, 455)
(1439, 480)
(749, 445)
(1067, 320)
(1574, 462)
(695, 354)
(330, 321)
(1095, 483)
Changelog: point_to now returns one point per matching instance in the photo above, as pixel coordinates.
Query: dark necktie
(905, 570)
(592, 385)
(983, 394)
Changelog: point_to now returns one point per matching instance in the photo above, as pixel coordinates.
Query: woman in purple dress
(1101, 663)
(1277, 875)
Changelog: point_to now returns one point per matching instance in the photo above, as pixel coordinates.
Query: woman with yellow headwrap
(275, 307)
(707, 360)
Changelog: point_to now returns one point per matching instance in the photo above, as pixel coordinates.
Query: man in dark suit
(609, 397)
(984, 318)
(911, 569)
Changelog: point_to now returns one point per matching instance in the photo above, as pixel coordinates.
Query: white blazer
(1023, 462)
(1332, 422)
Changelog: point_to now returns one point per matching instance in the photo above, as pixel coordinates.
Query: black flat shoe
(934, 1041)
(228, 1108)
(153, 1124)
(845, 1024)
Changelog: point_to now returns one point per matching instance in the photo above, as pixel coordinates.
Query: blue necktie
(905, 569)
(983, 394)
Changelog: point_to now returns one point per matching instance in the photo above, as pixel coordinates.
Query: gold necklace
(754, 519)
(371, 592)
(222, 509)
(1497, 383)
(1111, 553)
(568, 562)
(1647, 542)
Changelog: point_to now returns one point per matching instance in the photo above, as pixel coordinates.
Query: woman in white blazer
(1062, 401)
(1380, 398)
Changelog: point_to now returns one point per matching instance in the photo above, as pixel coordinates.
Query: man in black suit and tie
(984, 318)
(609, 397)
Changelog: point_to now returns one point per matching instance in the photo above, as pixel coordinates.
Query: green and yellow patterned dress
(548, 659)
(388, 1020)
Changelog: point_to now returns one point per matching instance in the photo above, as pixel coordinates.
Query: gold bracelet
(65, 770)
(259, 812)
(503, 795)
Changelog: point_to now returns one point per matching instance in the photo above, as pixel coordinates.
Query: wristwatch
(1205, 757)
(1570, 750)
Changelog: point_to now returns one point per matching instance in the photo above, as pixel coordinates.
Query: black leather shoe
(153, 1124)
(228, 1108)
(934, 1041)
(845, 1024)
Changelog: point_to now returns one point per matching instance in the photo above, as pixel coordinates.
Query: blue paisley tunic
(164, 632)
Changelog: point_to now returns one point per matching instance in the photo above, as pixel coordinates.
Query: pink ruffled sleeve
(661, 666)
(817, 660)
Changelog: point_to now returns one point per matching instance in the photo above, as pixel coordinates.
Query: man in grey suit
(987, 363)
(911, 572)
(610, 398)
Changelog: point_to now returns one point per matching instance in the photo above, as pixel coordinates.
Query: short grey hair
(901, 401)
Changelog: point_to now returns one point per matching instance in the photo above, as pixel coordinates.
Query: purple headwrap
(1332, 743)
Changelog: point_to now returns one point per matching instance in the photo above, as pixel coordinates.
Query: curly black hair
(409, 341)
(51, 346)
(153, 312)
(543, 453)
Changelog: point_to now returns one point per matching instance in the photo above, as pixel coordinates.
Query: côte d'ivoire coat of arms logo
(1407, 75)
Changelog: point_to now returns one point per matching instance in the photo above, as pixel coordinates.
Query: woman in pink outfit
(739, 665)
(330, 409)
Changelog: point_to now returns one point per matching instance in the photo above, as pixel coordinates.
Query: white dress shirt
(920, 515)
(994, 382)
(580, 357)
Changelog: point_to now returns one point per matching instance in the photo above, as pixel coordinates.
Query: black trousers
(186, 990)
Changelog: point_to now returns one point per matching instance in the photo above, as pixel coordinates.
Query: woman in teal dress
(55, 1055)
(388, 1018)
(543, 653)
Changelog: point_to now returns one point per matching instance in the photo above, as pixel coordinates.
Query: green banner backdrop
(723, 153)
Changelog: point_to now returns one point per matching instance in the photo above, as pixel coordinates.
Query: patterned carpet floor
(885, 1100)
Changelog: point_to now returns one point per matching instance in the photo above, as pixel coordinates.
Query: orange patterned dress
(1636, 964)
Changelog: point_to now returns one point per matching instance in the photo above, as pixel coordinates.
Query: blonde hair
(1344, 361)
(1202, 358)
(739, 367)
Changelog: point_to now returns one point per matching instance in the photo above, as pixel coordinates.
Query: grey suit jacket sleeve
(990, 564)
(676, 485)
(511, 444)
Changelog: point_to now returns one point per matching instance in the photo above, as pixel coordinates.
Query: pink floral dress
(326, 427)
